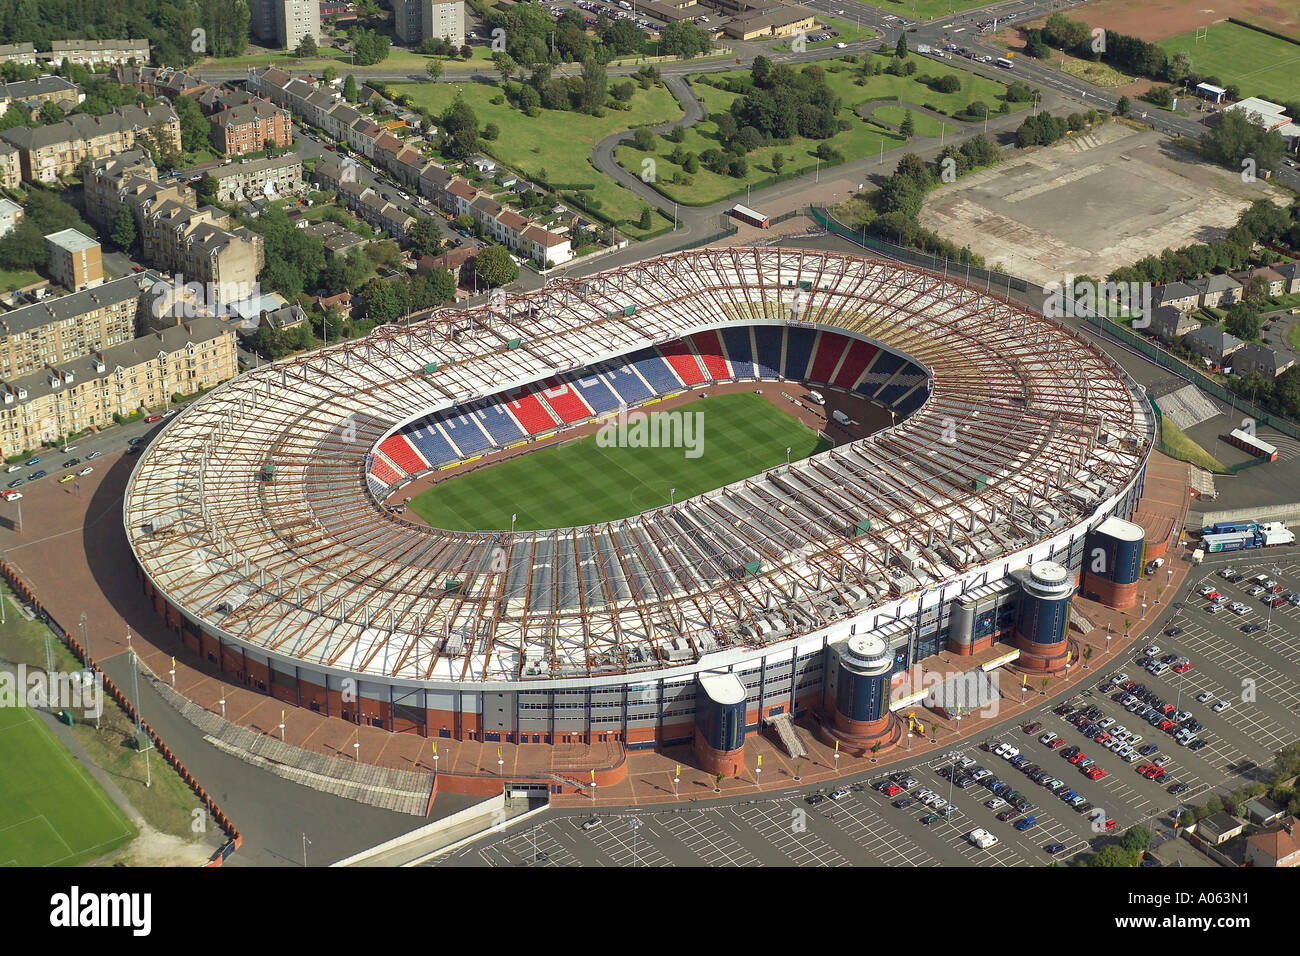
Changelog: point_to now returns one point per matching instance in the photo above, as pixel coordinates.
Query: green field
(52, 812)
(921, 9)
(557, 142)
(1260, 65)
(581, 483)
(863, 138)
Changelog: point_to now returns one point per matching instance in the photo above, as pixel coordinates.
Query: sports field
(582, 483)
(1260, 65)
(52, 812)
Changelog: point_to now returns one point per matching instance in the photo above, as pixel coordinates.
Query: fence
(234, 839)
(972, 274)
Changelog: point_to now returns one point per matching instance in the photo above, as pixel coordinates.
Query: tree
(646, 220)
(434, 69)
(900, 48)
(196, 132)
(594, 83)
(350, 88)
(505, 65)
(306, 48)
(424, 237)
(122, 231)
(495, 267)
(1243, 322)
(643, 139)
(1122, 107)
(442, 285)
(460, 125)
(908, 126)
(778, 160)
(50, 113)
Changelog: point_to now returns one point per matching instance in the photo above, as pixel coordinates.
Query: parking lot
(1252, 672)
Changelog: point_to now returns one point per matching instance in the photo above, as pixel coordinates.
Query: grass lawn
(11, 279)
(1184, 449)
(923, 9)
(862, 138)
(558, 142)
(1098, 74)
(1293, 336)
(52, 812)
(1259, 64)
(924, 124)
(580, 483)
(848, 33)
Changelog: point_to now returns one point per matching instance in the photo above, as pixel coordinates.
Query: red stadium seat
(532, 414)
(381, 470)
(403, 454)
(710, 348)
(859, 357)
(683, 361)
(565, 400)
(830, 346)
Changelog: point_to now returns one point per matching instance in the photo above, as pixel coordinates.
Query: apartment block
(11, 216)
(68, 396)
(160, 81)
(284, 22)
(417, 20)
(251, 128)
(257, 178)
(50, 152)
(71, 326)
(176, 235)
(24, 54)
(75, 260)
(29, 95)
(11, 166)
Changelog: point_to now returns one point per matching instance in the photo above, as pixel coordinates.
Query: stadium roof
(1029, 431)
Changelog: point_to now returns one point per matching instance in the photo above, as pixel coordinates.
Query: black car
(16, 482)
(1197, 744)
(37, 474)
(902, 802)
(1178, 788)
(1173, 632)
(72, 463)
(814, 798)
(133, 450)
(1007, 814)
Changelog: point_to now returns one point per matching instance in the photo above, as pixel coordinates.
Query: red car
(1094, 773)
(1167, 725)
(153, 418)
(1182, 668)
(1109, 824)
(1159, 772)
(1056, 744)
(1075, 758)
(1213, 596)
(893, 790)
(1276, 589)
(1032, 728)
(1103, 738)
(1168, 709)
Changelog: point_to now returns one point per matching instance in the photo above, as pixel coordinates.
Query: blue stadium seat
(798, 350)
(498, 423)
(466, 434)
(655, 370)
(878, 373)
(625, 382)
(739, 350)
(768, 341)
(598, 395)
(433, 446)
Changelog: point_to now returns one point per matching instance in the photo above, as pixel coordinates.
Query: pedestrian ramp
(786, 733)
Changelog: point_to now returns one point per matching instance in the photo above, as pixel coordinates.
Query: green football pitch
(582, 483)
(1259, 64)
(52, 812)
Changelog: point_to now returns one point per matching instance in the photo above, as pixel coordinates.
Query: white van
(982, 838)
(816, 397)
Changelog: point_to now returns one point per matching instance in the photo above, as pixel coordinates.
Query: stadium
(986, 448)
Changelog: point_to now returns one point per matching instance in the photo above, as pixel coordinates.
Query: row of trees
(24, 248)
(1045, 129)
(1263, 221)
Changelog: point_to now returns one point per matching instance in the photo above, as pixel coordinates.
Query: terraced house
(69, 396)
(50, 152)
(95, 53)
(272, 177)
